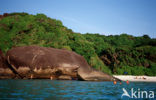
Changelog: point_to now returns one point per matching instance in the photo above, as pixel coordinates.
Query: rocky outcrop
(5, 71)
(4, 15)
(42, 62)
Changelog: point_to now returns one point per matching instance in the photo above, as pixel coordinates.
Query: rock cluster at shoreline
(32, 62)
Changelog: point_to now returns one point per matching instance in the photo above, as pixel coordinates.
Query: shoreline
(141, 78)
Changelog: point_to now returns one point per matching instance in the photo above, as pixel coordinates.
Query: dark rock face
(5, 71)
(42, 62)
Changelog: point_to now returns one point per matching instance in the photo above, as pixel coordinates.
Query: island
(35, 44)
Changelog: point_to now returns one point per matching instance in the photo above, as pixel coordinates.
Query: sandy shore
(136, 78)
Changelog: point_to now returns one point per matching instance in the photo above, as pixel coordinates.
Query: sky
(107, 17)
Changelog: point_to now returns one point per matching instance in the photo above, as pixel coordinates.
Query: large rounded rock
(43, 62)
(5, 71)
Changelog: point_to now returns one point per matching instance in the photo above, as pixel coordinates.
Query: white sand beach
(136, 78)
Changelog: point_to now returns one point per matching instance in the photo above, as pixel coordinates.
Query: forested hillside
(118, 54)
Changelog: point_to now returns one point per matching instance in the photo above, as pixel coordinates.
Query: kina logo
(137, 93)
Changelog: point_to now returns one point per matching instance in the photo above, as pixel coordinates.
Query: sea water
(43, 89)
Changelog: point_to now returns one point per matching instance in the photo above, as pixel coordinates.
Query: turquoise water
(67, 90)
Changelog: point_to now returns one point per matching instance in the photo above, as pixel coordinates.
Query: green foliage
(67, 48)
(111, 54)
(135, 70)
(152, 70)
(98, 64)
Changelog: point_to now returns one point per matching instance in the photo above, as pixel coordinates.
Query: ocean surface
(43, 89)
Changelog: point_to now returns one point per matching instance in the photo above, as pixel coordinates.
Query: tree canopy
(112, 54)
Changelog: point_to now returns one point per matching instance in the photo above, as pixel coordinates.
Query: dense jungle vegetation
(118, 54)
